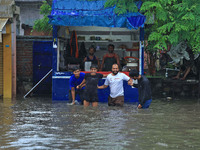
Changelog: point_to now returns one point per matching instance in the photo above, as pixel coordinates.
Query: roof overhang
(92, 13)
(3, 22)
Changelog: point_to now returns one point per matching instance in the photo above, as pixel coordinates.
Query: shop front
(79, 25)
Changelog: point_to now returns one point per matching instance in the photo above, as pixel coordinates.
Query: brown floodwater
(39, 123)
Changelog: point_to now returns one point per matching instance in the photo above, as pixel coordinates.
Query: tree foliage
(174, 20)
(43, 24)
(122, 6)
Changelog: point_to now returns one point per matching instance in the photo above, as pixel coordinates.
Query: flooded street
(39, 123)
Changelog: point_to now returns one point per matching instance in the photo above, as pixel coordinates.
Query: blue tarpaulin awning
(92, 13)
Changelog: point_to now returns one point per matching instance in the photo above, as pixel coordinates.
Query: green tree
(43, 24)
(122, 6)
(174, 20)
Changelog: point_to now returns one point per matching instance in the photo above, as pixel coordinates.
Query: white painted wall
(29, 12)
(118, 37)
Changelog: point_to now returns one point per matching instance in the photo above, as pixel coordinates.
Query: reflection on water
(42, 124)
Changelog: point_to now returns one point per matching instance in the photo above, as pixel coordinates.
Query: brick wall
(24, 60)
(24, 48)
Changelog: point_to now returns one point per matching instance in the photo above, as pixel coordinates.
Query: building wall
(25, 62)
(24, 59)
(8, 10)
(7, 62)
(29, 12)
(1, 69)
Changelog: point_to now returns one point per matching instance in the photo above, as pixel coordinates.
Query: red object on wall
(74, 45)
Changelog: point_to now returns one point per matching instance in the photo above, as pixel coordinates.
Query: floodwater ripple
(39, 123)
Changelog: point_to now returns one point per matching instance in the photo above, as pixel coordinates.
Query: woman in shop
(91, 57)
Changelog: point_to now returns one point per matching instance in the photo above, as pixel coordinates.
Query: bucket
(87, 65)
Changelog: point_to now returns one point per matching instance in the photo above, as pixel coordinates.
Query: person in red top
(109, 59)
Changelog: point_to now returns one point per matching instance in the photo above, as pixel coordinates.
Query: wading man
(91, 80)
(75, 80)
(115, 81)
(144, 89)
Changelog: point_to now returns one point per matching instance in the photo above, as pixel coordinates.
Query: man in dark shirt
(185, 69)
(91, 79)
(144, 89)
(109, 59)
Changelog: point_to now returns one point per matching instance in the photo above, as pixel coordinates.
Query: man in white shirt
(115, 81)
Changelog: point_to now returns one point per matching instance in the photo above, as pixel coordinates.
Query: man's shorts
(90, 97)
(117, 101)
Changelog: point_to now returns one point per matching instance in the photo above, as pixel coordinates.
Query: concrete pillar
(7, 63)
(14, 70)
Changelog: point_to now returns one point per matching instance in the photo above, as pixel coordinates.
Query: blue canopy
(92, 13)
